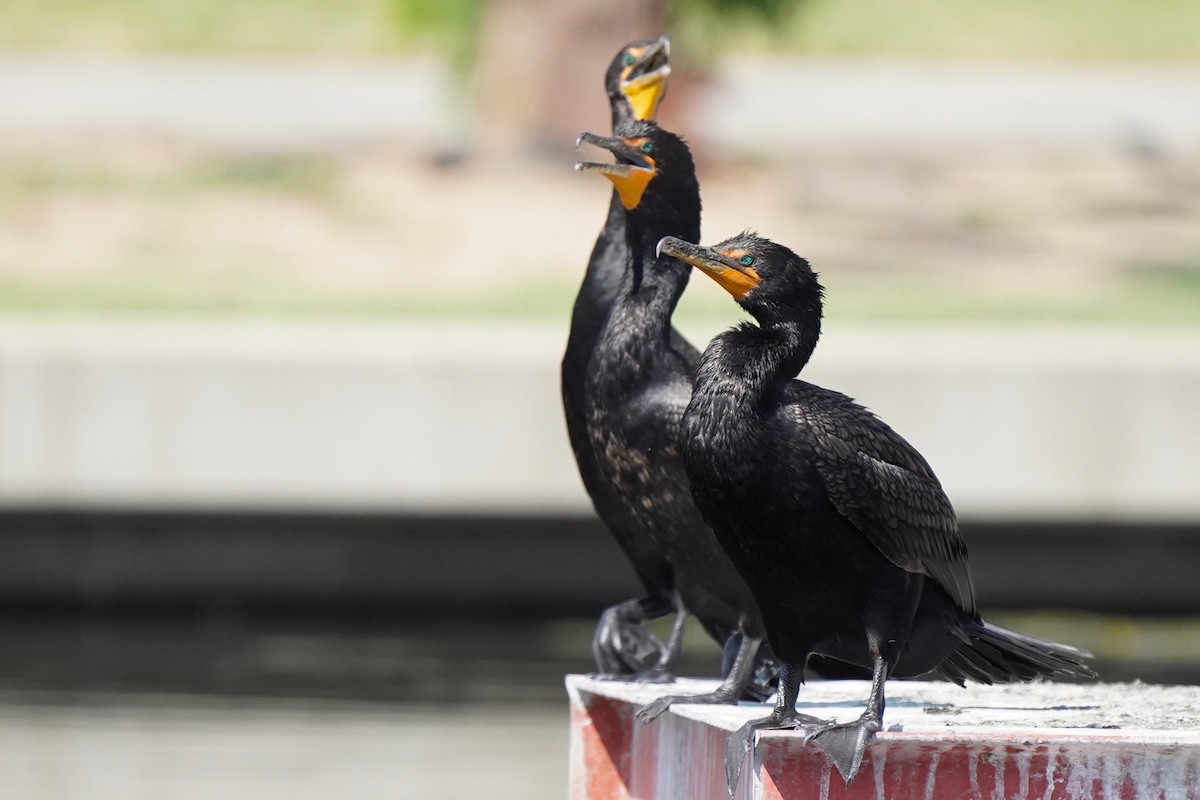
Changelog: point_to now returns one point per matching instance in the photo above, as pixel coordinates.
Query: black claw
(653, 711)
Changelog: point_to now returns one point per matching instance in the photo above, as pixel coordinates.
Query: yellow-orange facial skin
(646, 92)
(630, 180)
(631, 184)
(716, 264)
(738, 282)
(731, 280)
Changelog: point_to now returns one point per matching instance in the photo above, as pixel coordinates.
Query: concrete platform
(1046, 741)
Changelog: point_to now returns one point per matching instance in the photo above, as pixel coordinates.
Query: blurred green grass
(1155, 30)
(255, 287)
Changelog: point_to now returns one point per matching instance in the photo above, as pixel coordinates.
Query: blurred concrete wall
(1077, 423)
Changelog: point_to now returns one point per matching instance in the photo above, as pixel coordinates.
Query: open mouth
(644, 82)
(651, 68)
(630, 174)
(628, 160)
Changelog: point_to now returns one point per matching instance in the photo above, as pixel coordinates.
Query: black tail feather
(974, 662)
(999, 655)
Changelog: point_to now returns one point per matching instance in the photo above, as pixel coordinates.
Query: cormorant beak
(644, 82)
(631, 173)
(733, 277)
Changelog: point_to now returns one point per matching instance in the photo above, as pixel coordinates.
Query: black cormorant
(836, 523)
(635, 81)
(638, 384)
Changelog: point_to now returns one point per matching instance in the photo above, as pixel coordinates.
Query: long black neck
(605, 267)
(758, 361)
(606, 264)
(652, 285)
(788, 344)
(634, 347)
(621, 111)
(600, 283)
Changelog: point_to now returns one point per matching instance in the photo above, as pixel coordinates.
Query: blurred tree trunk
(539, 75)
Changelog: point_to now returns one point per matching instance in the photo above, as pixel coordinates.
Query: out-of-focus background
(286, 505)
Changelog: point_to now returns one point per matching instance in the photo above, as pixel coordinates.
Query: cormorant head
(767, 279)
(636, 80)
(649, 162)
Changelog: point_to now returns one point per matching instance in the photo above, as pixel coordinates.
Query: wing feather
(885, 489)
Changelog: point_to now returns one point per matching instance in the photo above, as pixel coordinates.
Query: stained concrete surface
(932, 705)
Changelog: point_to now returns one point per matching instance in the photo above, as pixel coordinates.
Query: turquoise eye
(747, 260)
(628, 59)
(648, 147)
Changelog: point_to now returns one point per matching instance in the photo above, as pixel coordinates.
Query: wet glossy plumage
(837, 524)
(592, 304)
(638, 382)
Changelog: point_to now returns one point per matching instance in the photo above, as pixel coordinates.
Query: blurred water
(156, 747)
(221, 704)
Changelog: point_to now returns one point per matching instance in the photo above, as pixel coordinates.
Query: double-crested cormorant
(638, 384)
(635, 81)
(836, 523)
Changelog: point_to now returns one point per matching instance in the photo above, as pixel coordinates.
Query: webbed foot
(764, 681)
(742, 740)
(621, 646)
(845, 743)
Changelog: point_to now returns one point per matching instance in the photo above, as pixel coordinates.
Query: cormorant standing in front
(837, 524)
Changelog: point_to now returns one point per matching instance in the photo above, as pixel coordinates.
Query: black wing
(837, 414)
(882, 486)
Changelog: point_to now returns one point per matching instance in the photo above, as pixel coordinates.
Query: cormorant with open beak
(635, 82)
(638, 383)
